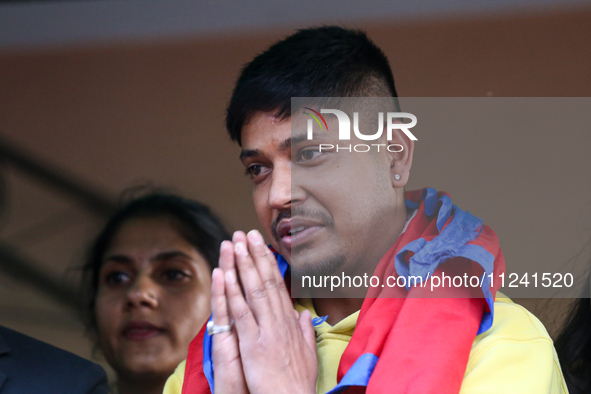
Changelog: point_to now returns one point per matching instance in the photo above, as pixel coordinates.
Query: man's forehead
(265, 131)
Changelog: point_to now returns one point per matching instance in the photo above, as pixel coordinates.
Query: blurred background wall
(113, 94)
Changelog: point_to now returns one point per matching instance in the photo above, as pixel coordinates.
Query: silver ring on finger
(213, 329)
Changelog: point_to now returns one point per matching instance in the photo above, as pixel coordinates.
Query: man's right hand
(228, 373)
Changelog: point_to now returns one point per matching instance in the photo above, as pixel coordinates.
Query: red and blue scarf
(408, 340)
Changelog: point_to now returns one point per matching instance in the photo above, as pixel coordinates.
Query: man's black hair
(327, 61)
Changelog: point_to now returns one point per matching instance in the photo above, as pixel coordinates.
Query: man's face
(322, 211)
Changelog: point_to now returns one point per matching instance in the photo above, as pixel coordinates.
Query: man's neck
(336, 308)
(339, 308)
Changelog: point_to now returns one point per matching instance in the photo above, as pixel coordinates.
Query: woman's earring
(397, 177)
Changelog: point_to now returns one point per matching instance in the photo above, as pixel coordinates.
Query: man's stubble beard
(323, 267)
(330, 266)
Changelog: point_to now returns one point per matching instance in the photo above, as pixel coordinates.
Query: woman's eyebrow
(171, 254)
(118, 258)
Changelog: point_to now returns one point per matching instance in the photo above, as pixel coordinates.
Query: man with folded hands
(326, 212)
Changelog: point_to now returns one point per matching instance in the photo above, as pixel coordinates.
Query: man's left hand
(277, 345)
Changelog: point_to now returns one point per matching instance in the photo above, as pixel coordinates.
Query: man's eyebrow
(298, 138)
(285, 145)
(249, 153)
(294, 140)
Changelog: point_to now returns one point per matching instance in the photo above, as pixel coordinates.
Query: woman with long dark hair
(148, 282)
(573, 346)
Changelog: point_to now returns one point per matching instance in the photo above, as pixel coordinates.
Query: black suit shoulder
(31, 366)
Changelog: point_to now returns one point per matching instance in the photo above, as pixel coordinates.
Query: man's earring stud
(397, 177)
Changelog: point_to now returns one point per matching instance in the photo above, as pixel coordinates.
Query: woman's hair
(573, 346)
(194, 222)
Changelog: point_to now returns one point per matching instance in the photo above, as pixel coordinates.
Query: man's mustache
(304, 213)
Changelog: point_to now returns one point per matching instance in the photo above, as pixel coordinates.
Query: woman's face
(153, 298)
